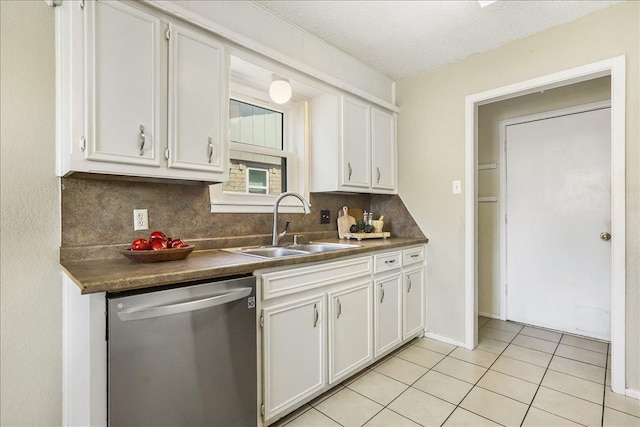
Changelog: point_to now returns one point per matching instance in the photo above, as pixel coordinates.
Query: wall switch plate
(140, 219)
(325, 217)
(457, 187)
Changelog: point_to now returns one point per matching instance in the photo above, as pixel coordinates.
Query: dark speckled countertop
(121, 274)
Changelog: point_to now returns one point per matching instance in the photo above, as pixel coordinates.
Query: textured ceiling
(401, 38)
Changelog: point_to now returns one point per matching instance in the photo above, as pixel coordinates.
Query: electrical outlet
(140, 219)
(325, 217)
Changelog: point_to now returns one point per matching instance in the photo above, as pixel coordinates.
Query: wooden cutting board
(345, 221)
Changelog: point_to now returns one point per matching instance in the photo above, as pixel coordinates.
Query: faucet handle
(295, 238)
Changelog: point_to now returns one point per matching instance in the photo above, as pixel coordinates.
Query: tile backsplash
(100, 212)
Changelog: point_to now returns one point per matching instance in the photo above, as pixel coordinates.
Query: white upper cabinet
(383, 149)
(122, 48)
(198, 106)
(356, 143)
(353, 146)
(135, 99)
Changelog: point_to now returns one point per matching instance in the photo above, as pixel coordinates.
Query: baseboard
(443, 339)
(632, 393)
(491, 316)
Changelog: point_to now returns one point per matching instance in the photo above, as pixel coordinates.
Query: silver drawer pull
(378, 182)
(339, 309)
(142, 140)
(390, 261)
(382, 296)
(350, 170)
(415, 255)
(210, 149)
(409, 287)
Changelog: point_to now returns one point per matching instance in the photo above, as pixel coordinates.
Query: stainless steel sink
(290, 250)
(318, 247)
(268, 252)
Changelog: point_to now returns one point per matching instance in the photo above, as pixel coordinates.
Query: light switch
(457, 187)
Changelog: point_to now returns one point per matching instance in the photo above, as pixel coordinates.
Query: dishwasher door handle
(183, 307)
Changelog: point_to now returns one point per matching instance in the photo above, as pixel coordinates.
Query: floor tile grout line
(539, 385)
(476, 383)
(604, 389)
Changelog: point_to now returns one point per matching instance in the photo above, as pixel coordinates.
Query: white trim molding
(614, 67)
(444, 339)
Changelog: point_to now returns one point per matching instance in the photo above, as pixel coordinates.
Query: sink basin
(291, 250)
(317, 247)
(269, 252)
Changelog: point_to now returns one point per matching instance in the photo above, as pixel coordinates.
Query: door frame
(502, 169)
(616, 68)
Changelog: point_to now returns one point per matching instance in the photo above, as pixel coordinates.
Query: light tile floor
(518, 376)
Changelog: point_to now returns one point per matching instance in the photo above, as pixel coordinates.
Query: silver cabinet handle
(349, 165)
(409, 287)
(382, 296)
(339, 309)
(317, 315)
(605, 236)
(378, 169)
(183, 307)
(142, 140)
(210, 149)
(415, 255)
(390, 261)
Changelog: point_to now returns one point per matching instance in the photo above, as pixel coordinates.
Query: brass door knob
(605, 236)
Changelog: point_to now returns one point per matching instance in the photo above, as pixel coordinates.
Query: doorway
(556, 187)
(615, 68)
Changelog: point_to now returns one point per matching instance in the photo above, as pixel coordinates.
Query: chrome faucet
(275, 236)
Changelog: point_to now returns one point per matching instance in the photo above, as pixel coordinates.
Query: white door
(294, 353)
(388, 313)
(123, 84)
(383, 150)
(413, 302)
(356, 140)
(198, 104)
(558, 181)
(350, 329)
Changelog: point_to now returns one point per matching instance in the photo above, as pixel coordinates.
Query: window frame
(266, 175)
(294, 150)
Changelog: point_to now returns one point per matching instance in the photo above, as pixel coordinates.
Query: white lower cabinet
(294, 353)
(350, 329)
(324, 322)
(413, 302)
(388, 313)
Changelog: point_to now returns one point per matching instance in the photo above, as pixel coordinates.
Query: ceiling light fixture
(484, 3)
(280, 90)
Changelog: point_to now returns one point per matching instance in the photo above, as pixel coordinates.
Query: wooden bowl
(174, 254)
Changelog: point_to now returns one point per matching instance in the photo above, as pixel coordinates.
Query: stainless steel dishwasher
(184, 356)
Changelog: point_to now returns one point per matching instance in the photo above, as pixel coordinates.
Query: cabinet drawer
(387, 261)
(413, 256)
(279, 283)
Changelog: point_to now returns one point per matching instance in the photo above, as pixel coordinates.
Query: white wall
(431, 126)
(31, 287)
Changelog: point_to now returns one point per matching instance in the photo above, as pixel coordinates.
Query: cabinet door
(388, 313)
(413, 303)
(122, 54)
(198, 104)
(350, 329)
(356, 140)
(383, 149)
(294, 353)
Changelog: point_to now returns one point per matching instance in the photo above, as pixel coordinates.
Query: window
(257, 156)
(266, 153)
(257, 181)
